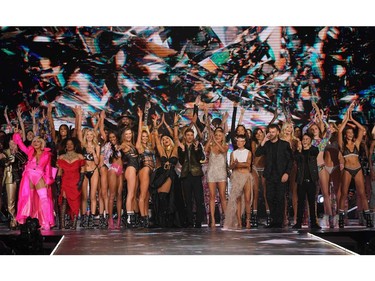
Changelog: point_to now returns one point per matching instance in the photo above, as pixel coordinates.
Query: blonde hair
(283, 128)
(43, 145)
(84, 139)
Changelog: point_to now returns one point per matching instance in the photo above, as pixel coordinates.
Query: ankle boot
(268, 219)
(62, 213)
(222, 219)
(255, 219)
(331, 221)
(101, 222)
(106, 221)
(341, 219)
(137, 220)
(74, 224)
(90, 221)
(130, 220)
(368, 218)
(84, 221)
(146, 222)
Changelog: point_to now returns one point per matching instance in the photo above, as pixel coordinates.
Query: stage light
(320, 199)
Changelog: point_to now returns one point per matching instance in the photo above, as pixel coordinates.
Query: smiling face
(112, 138)
(259, 135)
(128, 135)
(240, 130)
(306, 141)
(219, 136)
(349, 134)
(63, 131)
(38, 143)
(273, 134)
(314, 129)
(144, 137)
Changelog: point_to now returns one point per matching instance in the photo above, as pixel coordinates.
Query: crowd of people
(156, 174)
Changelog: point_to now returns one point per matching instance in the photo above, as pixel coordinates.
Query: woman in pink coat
(35, 195)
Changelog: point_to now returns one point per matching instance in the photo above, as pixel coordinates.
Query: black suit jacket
(194, 166)
(312, 164)
(284, 160)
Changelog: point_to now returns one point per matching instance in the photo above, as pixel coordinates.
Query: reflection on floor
(191, 242)
(204, 241)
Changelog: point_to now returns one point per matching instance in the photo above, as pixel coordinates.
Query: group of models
(70, 175)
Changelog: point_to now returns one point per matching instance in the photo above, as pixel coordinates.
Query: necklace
(70, 155)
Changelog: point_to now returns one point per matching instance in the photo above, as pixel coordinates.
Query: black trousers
(275, 193)
(307, 188)
(192, 185)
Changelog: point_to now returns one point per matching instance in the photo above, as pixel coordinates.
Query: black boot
(62, 214)
(331, 220)
(84, 221)
(222, 219)
(255, 219)
(163, 209)
(146, 222)
(90, 221)
(130, 220)
(137, 222)
(341, 219)
(368, 218)
(102, 222)
(268, 219)
(74, 224)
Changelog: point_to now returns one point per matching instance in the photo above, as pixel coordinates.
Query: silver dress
(217, 167)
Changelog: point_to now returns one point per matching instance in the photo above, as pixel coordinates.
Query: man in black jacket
(277, 169)
(191, 177)
(307, 176)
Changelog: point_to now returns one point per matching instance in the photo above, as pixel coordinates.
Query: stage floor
(204, 241)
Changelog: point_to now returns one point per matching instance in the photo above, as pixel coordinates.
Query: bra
(87, 156)
(347, 152)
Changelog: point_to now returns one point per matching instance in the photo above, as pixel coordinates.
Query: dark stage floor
(207, 241)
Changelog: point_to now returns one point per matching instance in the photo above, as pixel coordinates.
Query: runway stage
(352, 240)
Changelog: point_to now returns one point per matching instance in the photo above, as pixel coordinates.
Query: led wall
(116, 69)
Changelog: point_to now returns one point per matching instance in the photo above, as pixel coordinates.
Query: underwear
(330, 169)
(353, 172)
(89, 174)
(320, 168)
(259, 171)
(34, 175)
(117, 168)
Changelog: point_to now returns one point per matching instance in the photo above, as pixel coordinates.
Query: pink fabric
(28, 199)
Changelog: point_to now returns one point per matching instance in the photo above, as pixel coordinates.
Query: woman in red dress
(70, 178)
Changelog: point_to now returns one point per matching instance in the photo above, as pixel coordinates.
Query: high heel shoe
(110, 223)
(118, 224)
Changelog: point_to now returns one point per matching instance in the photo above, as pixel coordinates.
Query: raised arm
(138, 144)
(156, 136)
(371, 163)
(20, 121)
(78, 121)
(175, 129)
(50, 122)
(342, 127)
(242, 113)
(9, 125)
(101, 125)
(361, 129)
(18, 140)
